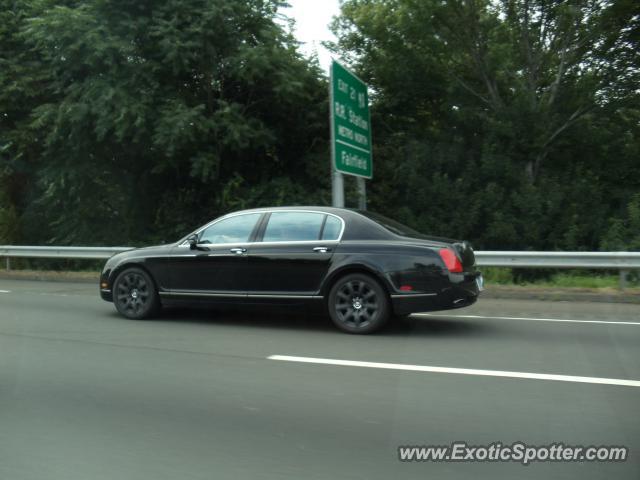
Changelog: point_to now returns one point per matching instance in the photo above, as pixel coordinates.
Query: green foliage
(552, 278)
(9, 224)
(155, 116)
(497, 276)
(624, 233)
(513, 124)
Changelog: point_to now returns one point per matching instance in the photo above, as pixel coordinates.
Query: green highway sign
(350, 123)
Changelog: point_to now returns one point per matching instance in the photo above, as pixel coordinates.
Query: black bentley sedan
(360, 267)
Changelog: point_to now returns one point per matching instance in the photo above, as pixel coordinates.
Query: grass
(29, 274)
(558, 279)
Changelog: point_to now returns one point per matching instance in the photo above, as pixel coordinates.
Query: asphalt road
(86, 394)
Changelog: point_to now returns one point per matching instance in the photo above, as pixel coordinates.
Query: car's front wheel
(134, 294)
(358, 304)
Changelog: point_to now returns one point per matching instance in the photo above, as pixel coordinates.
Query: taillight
(451, 260)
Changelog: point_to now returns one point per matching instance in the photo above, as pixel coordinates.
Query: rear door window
(332, 228)
(293, 227)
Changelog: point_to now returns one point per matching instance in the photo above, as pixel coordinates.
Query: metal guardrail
(622, 261)
(612, 260)
(96, 253)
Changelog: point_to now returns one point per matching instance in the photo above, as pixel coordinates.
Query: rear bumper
(462, 291)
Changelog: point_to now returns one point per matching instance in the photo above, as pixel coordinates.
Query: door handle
(321, 249)
(238, 250)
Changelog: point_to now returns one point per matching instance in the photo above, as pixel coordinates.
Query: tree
(503, 122)
(20, 92)
(155, 116)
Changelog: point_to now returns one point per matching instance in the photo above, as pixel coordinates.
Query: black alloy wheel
(358, 304)
(134, 294)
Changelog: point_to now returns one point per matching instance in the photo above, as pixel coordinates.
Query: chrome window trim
(183, 243)
(253, 244)
(323, 242)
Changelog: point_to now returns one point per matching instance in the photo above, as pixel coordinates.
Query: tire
(357, 303)
(135, 295)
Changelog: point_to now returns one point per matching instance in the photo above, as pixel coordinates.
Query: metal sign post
(337, 188)
(362, 193)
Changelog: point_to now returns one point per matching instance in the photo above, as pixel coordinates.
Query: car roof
(325, 209)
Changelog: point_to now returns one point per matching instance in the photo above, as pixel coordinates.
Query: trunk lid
(462, 248)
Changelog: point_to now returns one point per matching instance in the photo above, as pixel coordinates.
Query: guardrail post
(7, 263)
(623, 279)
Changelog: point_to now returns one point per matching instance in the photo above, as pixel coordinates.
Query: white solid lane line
(459, 371)
(529, 319)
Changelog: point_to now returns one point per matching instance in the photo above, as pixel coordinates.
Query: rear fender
(355, 266)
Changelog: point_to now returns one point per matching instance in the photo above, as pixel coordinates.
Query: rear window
(391, 225)
(401, 229)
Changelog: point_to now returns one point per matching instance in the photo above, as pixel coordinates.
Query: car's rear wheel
(134, 294)
(358, 304)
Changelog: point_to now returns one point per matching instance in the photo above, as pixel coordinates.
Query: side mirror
(193, 241)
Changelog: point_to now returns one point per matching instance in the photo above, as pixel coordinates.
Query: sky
(312, 19)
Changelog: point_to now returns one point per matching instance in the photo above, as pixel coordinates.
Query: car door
(218, 266)
(293, 253)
